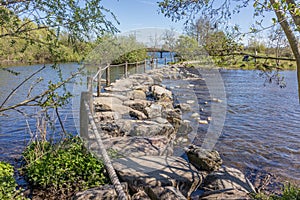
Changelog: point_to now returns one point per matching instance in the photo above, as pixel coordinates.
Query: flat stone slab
(145, 128)
(111, 104)
(228, 178)
(102, 192)
(158, 171)
(137, 146)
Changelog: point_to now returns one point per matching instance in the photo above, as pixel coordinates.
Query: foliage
(187, 48)
(219, 44)
(289, 192)
(116, 49)
(80, 19)
(67, 164)
(49, 31)
(8, 183)
(200, 30)
(256, 46)
(131, 57)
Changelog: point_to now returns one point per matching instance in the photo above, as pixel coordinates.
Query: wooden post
(156, 63)
(90, 84)
(108, 75)
(84, 120)
(145, 65)
(126, 69)
(136, 67)
(165, 60)
(153, 63)
(99, 81)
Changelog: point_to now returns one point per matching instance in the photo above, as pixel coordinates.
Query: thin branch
(60, 121)
(33, 99)
(22, 83)
(7, 2)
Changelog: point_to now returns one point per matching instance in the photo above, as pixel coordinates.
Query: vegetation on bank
(289, 192)
(20, 51)
(65, 167)
(8, 184)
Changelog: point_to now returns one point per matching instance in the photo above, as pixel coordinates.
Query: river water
(261, 133)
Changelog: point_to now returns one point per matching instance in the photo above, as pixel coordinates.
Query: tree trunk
(291, 38)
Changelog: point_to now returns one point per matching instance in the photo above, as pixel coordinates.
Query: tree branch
(22, 83)
(43, 94)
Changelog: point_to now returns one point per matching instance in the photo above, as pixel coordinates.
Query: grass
(289, 192)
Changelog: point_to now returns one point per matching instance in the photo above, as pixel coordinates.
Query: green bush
(289, 192)
(7, 181)
(67, 164)
(131, 57)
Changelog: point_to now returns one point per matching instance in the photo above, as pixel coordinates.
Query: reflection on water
(261, 132)
(262, 128)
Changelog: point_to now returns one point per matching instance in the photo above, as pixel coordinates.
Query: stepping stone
(136, 146)
(152, 171)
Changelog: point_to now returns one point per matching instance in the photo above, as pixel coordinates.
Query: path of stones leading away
(144, 128)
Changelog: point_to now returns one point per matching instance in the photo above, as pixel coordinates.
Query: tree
(81, 19)
(26, 19)
(187, 48)
(170, 38)
(287, 15)
(200, 30)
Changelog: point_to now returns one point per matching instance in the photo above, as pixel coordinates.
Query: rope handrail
(99, 71)
(118, 65)
(109, 167)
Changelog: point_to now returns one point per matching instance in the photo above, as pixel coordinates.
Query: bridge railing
(107, 71)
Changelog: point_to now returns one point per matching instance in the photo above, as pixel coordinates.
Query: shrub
(8, 183)
(289, 192)
(67, 164)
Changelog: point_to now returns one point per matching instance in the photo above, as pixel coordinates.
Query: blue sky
(137, 14)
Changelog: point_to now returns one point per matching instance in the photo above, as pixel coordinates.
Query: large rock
(102, 192)
(203, 159)
(153, 111)
(136, 94)
(226, 194)
(137, 114)
(152, 171)
(138, 104)
(137, 146)
(159, 91)
(165, 193)
(145, 128)
(173, 116)
(111, 104)
(106, 116)
(119, 96)
(184, 107)
(121, 85)
(228, 179)
(140, 195)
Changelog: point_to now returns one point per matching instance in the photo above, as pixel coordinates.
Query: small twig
(34, 99)
(60, 121)
(16, 88)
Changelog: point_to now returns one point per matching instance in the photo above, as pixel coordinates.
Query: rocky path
(141, 121)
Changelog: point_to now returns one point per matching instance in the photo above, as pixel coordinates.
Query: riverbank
(238, 63)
